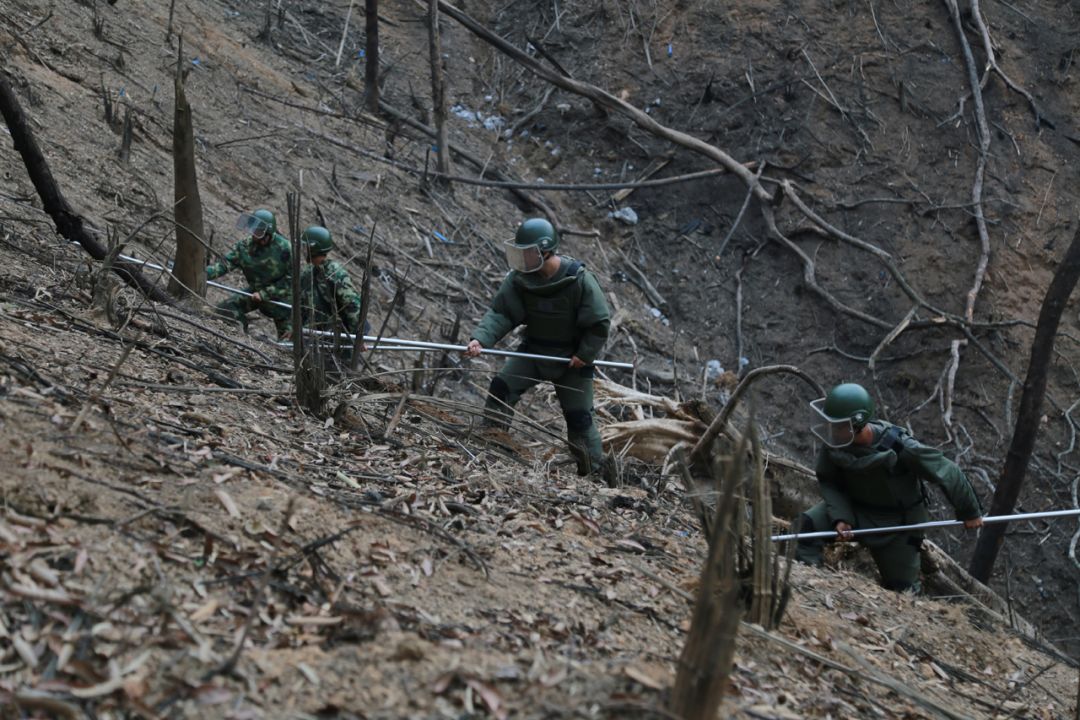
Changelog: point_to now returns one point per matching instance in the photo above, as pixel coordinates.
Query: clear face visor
(523, 258)
(834, 432)
(257, 228)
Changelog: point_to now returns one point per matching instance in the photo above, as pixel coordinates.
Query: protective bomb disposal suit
(878, 485)
(566, 315)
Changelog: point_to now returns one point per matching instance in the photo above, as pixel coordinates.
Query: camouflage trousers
(237, 308)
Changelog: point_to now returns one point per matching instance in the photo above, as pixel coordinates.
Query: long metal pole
(425, 345)
(226, 288)
(926, 525)
(419, 344)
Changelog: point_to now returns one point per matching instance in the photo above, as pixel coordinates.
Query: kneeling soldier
(870, 473)
(327, 291)
(265, 258)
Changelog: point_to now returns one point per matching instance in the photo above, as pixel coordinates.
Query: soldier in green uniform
(871, 473)
(265, 258)
(565, 314)
(330, 301)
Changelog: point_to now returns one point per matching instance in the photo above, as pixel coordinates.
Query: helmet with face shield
(836, 418)
(261, 224)
(534, 237)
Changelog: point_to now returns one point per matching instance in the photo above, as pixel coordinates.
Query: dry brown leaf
(213, 695)
(101, 689)
(227, 502)
(650, 675)
(227, 475)
(442, 683)
(207, 610)
(42, 572)
(308, 672)
(491, 698)
(25, 651)
(589, 524)
(8, 535)
(939, 671)
(631, 545)
(35, 593)
(81, 560)
(381, 587)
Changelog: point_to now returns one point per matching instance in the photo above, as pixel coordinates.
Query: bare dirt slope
(385, 560)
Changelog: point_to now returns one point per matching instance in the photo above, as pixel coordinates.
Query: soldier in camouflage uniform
(265, 258)
(871, 473)
(565, 314)
(329, 297)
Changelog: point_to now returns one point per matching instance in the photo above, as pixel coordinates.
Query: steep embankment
(179, 539)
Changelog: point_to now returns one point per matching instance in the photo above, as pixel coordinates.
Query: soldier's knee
(577, 421)
(499, 389)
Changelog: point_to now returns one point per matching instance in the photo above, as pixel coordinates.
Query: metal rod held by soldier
(425, 345)
(211, 283)
(926, 525)
(419, 344)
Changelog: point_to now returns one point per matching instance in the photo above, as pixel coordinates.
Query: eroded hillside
(166, 499)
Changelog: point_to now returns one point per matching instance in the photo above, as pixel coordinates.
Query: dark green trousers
(896, 554)
(573, 388)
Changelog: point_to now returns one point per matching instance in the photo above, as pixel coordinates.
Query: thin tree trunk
(1027, 419)
(68, 223)
(438, 88)
(189, 265)
(1078, 695)
(371, 55)
(709, 652)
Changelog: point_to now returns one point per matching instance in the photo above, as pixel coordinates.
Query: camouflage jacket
(329, 294)
(267, 268)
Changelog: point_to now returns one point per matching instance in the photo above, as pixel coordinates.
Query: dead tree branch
(608, 101)
(992, 64)
(720, 421)
(977, 208)
(1027, 420)
(68, 222)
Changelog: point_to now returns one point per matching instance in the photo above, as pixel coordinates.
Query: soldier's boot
(809, 551)
(496, 411)
(585, 446)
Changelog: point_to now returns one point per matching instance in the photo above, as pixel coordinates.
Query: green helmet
(263, 219)
(850, 401)
(318, 240)
(539, 232)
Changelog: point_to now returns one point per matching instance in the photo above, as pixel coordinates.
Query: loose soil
(393, 561)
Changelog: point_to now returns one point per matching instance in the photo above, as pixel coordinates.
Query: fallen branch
(607, 100)
(721, 419)
(992, 64)
(810, 274)
(68, 222)
(976, 201)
